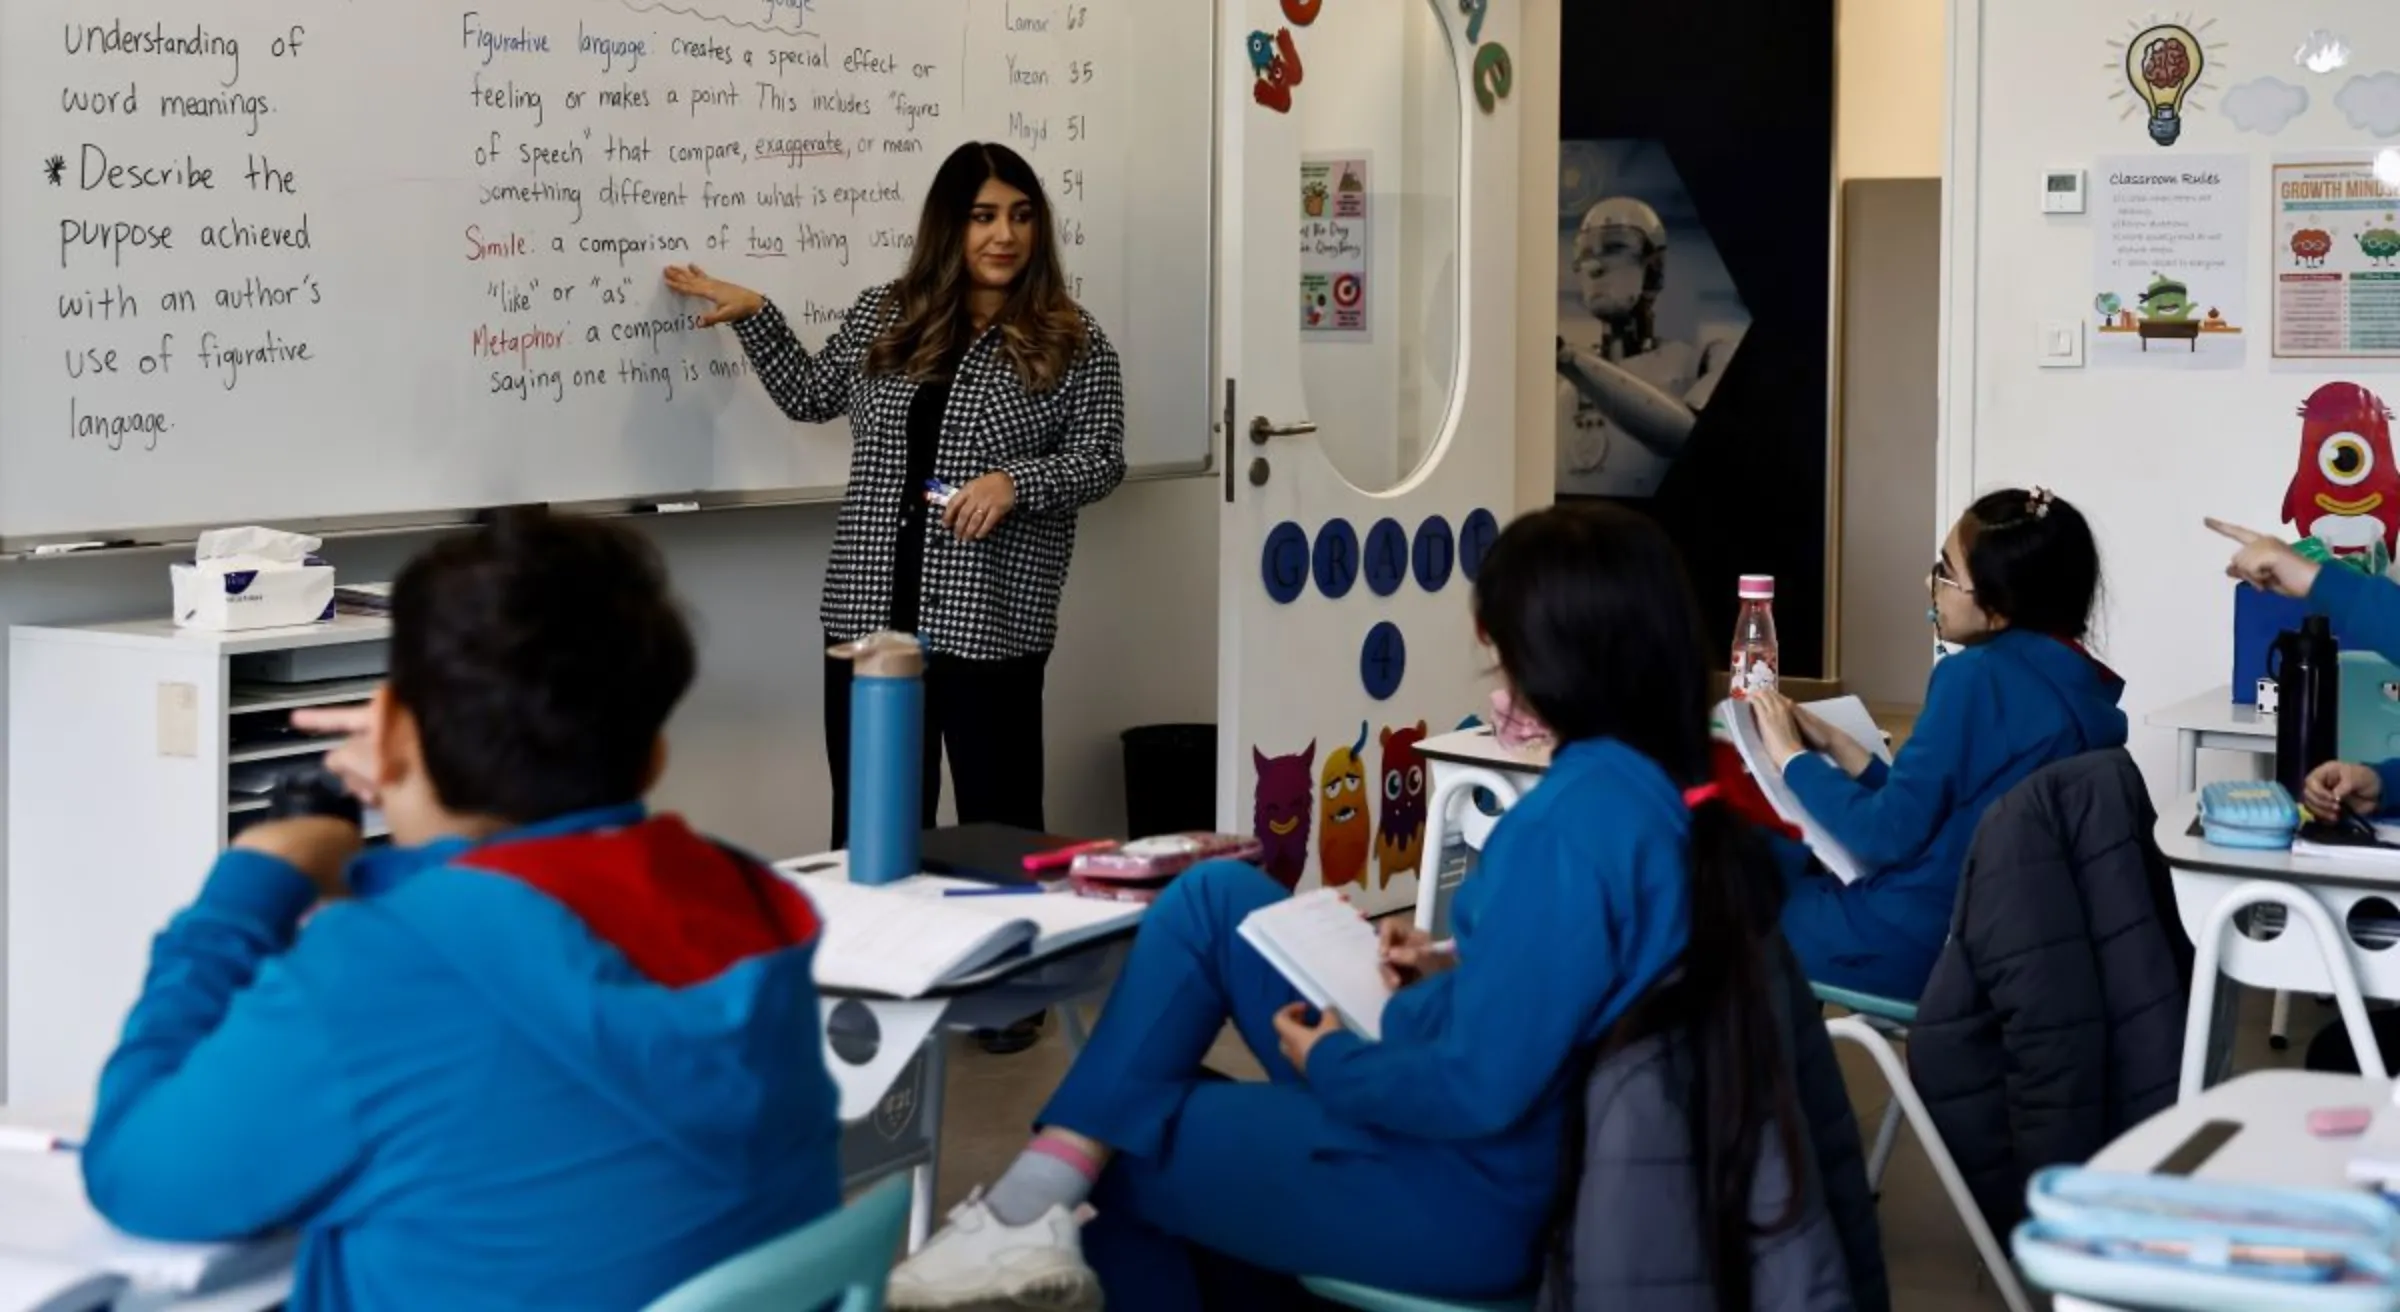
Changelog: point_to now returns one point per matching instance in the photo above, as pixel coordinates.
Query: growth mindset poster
(2172, 245)
(2336, 255)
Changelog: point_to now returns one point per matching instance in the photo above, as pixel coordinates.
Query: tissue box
(210, 595)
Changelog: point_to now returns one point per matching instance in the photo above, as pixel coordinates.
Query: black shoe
(1015, 1039)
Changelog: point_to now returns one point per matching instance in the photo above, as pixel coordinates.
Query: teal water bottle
(887, 743)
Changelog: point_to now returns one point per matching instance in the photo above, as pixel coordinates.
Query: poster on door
(1335, 204)
(2172, 262)
(2336, 253)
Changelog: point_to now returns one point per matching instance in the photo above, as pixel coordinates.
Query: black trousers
(988, 714)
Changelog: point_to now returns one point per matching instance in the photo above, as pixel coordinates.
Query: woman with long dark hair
(1431, 1160)
(975, 369)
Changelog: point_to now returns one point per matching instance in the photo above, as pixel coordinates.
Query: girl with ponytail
(1428, 1160)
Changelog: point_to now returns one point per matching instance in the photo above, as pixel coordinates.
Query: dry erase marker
(939, 492)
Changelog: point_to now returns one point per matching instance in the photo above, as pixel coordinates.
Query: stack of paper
(50, 1238)
(1846, 714)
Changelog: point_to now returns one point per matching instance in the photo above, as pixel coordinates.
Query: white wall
(2144, 454)
(1890, 102)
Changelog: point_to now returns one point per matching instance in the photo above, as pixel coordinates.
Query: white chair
(2333, 953)
(1868, 1027)
(1871, 1025)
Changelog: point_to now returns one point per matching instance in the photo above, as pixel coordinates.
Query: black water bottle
(2308, 683)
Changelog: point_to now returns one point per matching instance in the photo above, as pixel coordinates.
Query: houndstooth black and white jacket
(1065, 449)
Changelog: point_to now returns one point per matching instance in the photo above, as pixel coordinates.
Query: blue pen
(999, 890)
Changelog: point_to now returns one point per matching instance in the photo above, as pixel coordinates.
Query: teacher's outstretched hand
(2264, 561)
(728, 302)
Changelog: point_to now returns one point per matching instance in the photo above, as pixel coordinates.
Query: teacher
(976, 370)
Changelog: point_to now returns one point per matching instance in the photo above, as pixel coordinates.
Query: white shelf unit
(121, 748)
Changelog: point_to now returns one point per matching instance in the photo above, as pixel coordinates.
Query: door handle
(1263, 428)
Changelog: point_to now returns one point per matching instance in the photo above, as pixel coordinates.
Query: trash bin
(1170, 779)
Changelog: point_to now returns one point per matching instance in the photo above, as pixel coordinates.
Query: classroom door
(1366, 319)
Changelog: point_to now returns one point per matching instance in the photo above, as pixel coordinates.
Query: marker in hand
(938, 492)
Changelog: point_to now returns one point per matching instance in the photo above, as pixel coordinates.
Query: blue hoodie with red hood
(565, 1068)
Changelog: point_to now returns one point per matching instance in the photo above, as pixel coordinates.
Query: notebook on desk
(911, 938)
(55, 1247)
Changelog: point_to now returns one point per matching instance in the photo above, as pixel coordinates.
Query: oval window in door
(1378, 122)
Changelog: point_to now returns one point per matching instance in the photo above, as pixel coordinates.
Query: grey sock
(1033, 1184)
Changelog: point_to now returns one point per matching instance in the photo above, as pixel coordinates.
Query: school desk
(2211, 722)
(889, 1056)
(2314, 925)
(2273, 1145)
(258, 1295)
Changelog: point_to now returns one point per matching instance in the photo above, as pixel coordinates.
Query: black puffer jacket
(1633, 1240)
(2054, 1018)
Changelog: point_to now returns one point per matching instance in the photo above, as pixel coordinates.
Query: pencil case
(2252, 814)
(2196, 1246)
(1162, 857)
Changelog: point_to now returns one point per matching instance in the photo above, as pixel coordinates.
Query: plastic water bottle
(887, 743)
(1757, 661)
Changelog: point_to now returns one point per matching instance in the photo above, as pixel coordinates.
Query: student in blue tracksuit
(544, 1051)
(2366, 610)
(2013, 591)
(1432, 1160)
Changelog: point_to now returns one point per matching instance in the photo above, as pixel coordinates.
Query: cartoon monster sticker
(1344, 832)
(2166, 300)
(1276, 60)
(2310, 246)
(1400, 832)
(2346, 492)
(2381, 245)
(1286, 787)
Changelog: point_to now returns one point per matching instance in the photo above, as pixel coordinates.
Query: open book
(1847, 714)
(56, 1252)
(1328, 951)
(905, 940)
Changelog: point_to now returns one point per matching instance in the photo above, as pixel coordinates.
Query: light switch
(2061, 344)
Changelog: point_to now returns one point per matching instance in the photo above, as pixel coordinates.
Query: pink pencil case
(1165, 855)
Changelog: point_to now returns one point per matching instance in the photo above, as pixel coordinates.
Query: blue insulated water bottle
(887, 742)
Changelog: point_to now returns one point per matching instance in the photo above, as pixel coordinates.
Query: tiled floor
(1933, 1268)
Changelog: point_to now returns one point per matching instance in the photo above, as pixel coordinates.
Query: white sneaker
(977, 1264)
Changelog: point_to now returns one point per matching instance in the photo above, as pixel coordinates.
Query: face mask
(1515, 729)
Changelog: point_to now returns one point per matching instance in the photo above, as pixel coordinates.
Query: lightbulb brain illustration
(2165, 63)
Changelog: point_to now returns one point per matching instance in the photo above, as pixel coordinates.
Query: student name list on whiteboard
(280, 259)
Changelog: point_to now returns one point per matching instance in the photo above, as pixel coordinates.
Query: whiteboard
(277, 260)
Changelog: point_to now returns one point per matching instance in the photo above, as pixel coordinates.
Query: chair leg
(2279, 1025)
(1887, 1136)
(1071, 1027)
(1904, 1096)
(926, 1178)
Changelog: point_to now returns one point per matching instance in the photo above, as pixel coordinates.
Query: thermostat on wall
(2062, 191)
